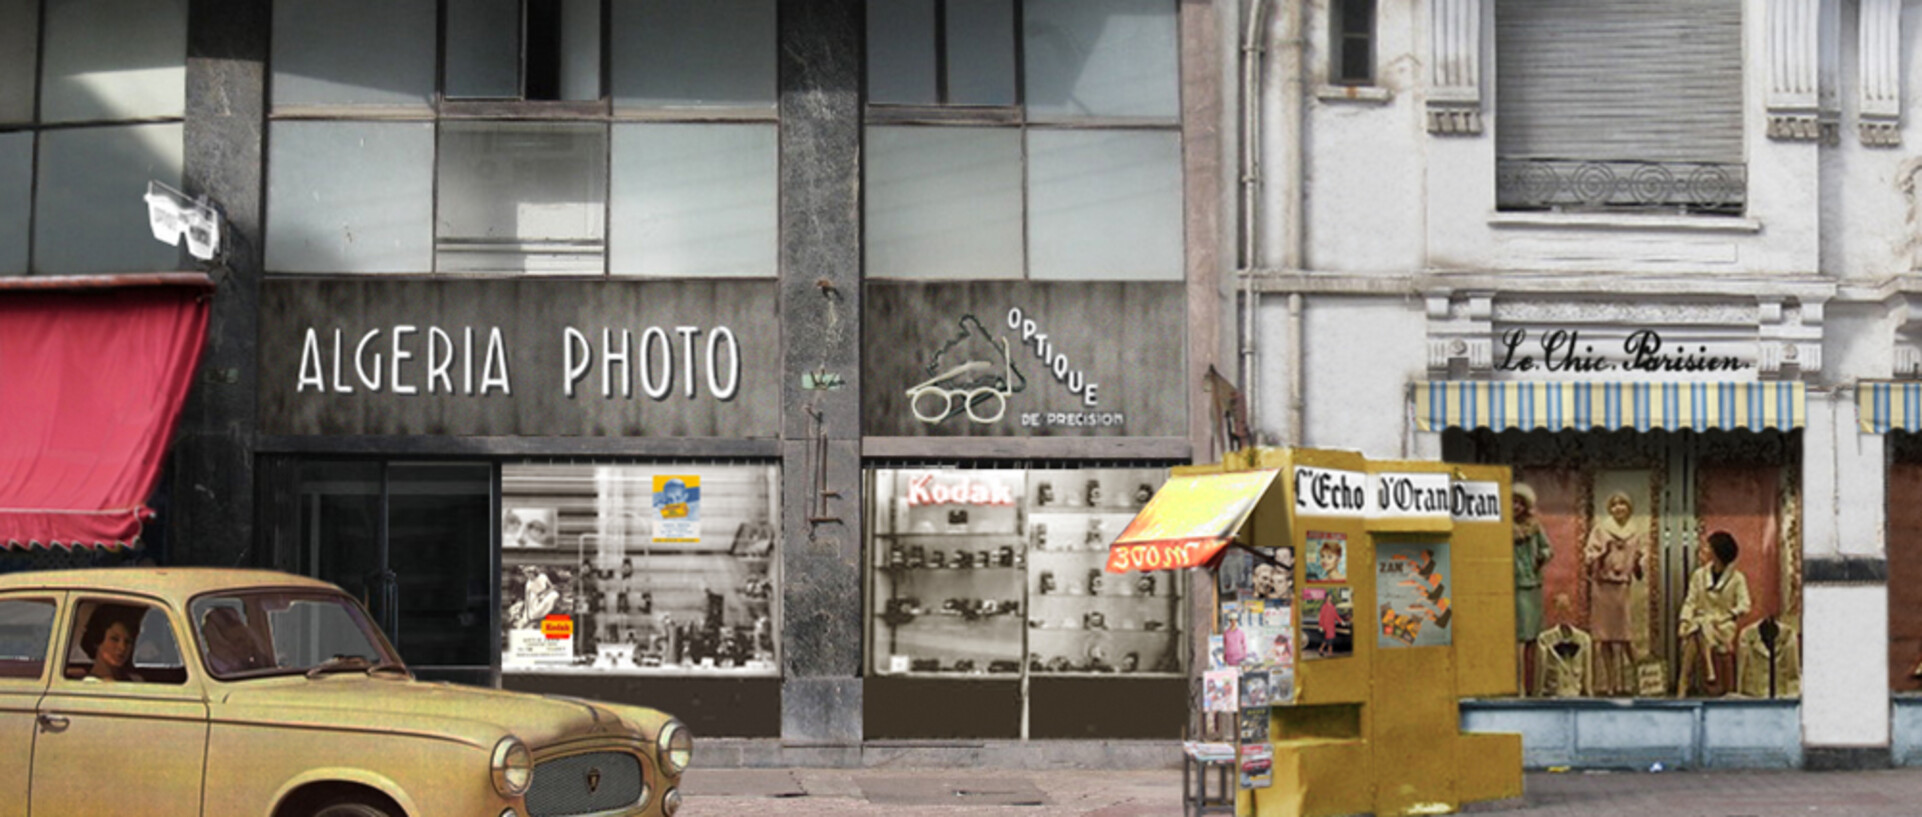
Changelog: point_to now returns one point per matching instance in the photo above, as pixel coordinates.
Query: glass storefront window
(663, 569)
(1000, 573)
(1656, 565)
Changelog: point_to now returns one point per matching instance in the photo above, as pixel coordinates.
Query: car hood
(472, 714)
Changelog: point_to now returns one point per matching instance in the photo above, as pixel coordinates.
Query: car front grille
(584, 784)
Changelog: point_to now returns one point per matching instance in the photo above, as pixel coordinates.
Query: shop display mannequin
(1717, 598)
(1613, 559)
(1768, 660)
(1532, 551)
(1563, 655)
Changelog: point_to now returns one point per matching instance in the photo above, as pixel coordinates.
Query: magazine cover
(1219, 690)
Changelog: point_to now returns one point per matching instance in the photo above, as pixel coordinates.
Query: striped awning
(1886, 406)
(1582, 406)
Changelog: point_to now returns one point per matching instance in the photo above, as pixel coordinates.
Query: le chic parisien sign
(1394, 495)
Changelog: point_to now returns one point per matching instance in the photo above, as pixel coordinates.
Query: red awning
(93, 373)
(1189, 521)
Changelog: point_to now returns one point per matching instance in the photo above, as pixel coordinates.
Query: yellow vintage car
(201, 691)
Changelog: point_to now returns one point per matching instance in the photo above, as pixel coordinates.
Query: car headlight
(676, 747)
(513, 767)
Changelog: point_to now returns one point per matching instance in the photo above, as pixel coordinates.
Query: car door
(26, 633)
(136, 745)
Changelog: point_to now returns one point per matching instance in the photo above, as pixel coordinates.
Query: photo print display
(1412, 583)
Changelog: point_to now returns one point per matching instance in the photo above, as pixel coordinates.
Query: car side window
(26, 625)
(116, 641)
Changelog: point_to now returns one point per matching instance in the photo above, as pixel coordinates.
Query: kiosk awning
(1557, 405)
(93, 373)
(1188, 521)
(1881, 407)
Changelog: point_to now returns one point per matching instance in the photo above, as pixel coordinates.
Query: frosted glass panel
(695, 200)
(90, 217)
(1101, 58)
(484, 48)
(1104, 205)
(350, 197)
(353, 52)
(901, 52)
(981, 52)
(16, 200)
(114, 59)
(19, 50)
(943, 203)
(522, 197)
(674, 52)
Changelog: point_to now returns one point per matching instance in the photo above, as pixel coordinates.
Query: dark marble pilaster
(212, 497)
(820, 108)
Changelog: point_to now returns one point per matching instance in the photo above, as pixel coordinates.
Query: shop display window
(999, 573)
(1655, 565)
(639, 569)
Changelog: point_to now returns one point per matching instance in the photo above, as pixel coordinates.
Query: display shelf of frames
(1015, 585)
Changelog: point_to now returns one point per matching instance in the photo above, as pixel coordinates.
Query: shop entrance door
(413, 541)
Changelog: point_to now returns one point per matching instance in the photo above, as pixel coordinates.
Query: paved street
(1004, 793)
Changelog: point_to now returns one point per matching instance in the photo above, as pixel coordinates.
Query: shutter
(1619, 80)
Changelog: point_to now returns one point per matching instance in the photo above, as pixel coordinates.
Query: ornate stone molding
(1790, 336)
(1879, 73)
(1461, 333)
(1454, 67)
(1794, 61)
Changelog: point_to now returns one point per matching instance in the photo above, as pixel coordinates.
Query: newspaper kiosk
(1358, 601)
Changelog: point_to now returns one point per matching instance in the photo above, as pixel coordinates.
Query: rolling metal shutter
(1619, 80)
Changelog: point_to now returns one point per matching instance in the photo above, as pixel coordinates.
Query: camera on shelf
(1005, 556)
(1046, 582)
(1004, 666)
(1094, 582)
(1145, 584)
(924, 665)
(1143, 493)
(938, 558)
(958, 517)
(1040, 536)
(1094, 620)
(916, 556)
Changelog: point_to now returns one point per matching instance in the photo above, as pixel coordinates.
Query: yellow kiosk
(1397, 602)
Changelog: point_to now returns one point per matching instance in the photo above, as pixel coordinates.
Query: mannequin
(1563, 656)
(1613, 559)
(1532, 551)
(1768, 660)
(1717, 598)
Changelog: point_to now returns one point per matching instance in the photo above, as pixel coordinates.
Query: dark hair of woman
(107, 615)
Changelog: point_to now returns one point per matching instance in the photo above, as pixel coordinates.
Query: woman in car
(109, 641)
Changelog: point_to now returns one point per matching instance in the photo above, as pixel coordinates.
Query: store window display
(1613, 530)
(639, 569)
(999, 572)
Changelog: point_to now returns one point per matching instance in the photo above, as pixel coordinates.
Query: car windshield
(283, 632)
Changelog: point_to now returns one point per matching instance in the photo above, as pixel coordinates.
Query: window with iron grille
(1619, 106)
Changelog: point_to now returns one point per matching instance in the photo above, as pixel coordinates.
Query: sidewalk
(873, 792)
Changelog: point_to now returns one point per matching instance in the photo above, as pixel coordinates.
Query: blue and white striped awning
(1884, 407)
(1581, 406)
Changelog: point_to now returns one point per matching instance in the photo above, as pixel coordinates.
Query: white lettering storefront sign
(1476, 502)
(1419, 495)
(1327, 492)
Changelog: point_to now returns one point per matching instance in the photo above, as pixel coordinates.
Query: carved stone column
(1794, 61)
(1879, 73)
(1454, 66)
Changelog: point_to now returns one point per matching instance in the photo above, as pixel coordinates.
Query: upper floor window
(1351, 42)
(91, 99)
(1023, 139)
(1619, 105)
(579, 137)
